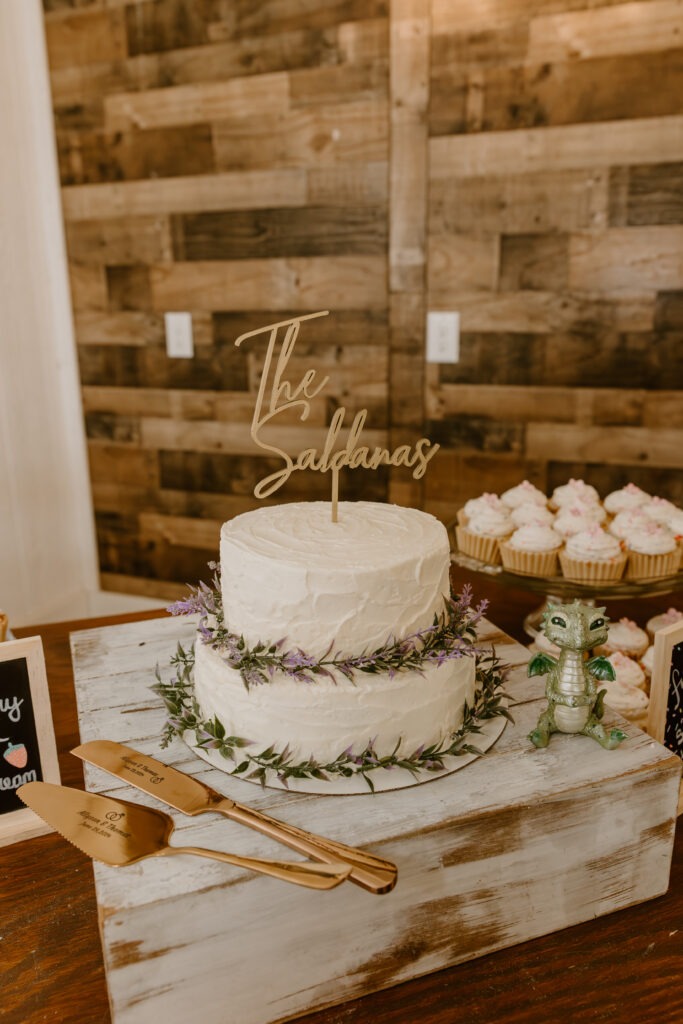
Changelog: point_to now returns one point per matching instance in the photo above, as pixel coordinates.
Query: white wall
(48, 561)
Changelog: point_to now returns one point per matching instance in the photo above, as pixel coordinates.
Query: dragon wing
(541, 664)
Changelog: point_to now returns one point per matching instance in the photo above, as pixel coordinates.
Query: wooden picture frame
(665, 715)
(28, 751)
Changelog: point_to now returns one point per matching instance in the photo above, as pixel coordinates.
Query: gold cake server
(191, 796)
(118, 832)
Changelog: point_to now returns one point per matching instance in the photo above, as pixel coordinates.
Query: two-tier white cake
(290, 574)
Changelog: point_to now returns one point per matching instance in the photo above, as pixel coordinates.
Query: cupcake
(578, 516)
(627, 670)
(660, 509)
(667, 618)
(625, 499)
(629, 701)
(675, 524)
(530, 513)
(475, 505)
(627, 521)
(532, 550)
(541, 643)
(523, 494)
(625, 636)
(481, 536)
(652, 551)
(565, 494)
(593, 556)
(647, 661)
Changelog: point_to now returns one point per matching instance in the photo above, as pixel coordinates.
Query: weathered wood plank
(363, 183)
(88, 287)
(522, 404)
(612, 445)
(354, 132)
(246, 18)
(92, 157)
(462, 262)
(651, 140)
(534, 261)
(198, 103)
(546, 312)
(120, 240)
(543, 202)
(494, 14)
(625, 259)
(408, 173)
(651, 194)
(342, 282)
(280, 232)
(86, 37)
(234, 190)
(639, 27)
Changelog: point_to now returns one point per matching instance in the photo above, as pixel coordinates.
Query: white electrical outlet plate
(443, 337)
(179, 341)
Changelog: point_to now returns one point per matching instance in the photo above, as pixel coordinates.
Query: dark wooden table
(626, 967)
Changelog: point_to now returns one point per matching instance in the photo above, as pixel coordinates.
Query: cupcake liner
(643, 567)
(592, 572)
(486, 549)
(528, 563)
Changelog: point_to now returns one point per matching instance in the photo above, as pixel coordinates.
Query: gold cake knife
(191, 796)
(118, 832)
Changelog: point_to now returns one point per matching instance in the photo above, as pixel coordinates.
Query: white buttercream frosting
(660, 509)
(523, 494)
(535, 537)
(577, 516)
(380, 571)
(626, 636)
(625, 698)
(627, 670)
(527, 513)
(324, 718)
(628, 497)
(652, 539)
(490, 522)
(593, 544)
(484, 501)
(288, 571)
(625, 522)
(565, 494)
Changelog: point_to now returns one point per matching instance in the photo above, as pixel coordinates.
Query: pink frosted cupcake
(593, 556)
(627, 637)
(483, 533)
(627, 670)
(627, 521)
(578, 516)
(667, 618)
(523, 494)
(567, 493)
(660, 509)
(629, 701)
(480, 504)
(530, 513)
(532, 550)
(626, 499)
(652, 551)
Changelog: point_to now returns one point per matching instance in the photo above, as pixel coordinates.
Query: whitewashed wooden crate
(520, 843)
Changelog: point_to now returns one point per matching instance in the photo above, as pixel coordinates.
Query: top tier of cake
(289, 571)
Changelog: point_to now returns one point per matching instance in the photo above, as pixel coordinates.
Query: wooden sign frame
(666, 686)
(34, 723)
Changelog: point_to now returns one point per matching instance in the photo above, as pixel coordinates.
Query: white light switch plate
(179, 341)
(443, 337)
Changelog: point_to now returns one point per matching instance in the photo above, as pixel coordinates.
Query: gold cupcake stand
(558, 589)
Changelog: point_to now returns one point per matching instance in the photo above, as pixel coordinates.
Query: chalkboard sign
(27, 743)
(665, 719)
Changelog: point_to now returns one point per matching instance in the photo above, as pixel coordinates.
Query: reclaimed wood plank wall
(519, 161)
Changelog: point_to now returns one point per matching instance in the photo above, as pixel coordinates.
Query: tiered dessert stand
(558, 589)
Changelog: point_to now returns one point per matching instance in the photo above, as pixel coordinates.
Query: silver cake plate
(383, 779)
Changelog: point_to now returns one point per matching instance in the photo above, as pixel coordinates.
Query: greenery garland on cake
(450, 636)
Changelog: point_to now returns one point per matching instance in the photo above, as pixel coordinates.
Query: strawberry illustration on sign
(16, 754)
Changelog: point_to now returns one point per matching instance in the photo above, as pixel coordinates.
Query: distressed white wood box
(517, 844)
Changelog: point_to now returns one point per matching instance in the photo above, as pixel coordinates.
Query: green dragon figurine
(574, 704)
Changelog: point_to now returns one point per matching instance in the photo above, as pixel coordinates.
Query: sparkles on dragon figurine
(574, 704)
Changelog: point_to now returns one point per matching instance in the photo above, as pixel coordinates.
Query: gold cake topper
(277, 394)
